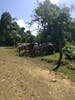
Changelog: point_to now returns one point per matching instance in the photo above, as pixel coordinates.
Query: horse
(21, 47)
(24, 46)
(36, 48)
(46, 48)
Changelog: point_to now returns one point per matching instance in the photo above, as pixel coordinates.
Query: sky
(24, 9)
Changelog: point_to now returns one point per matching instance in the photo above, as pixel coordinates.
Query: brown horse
(36, 49)
(20, 48)
(24, 47)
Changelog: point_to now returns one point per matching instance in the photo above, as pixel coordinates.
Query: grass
(11, 51)
(69, 73)
(67, 67)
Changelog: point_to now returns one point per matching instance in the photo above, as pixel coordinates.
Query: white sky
(53, 1)
(33, 28)
(21, 23)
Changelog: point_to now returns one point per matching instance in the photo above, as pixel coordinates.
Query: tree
(29, 37)
(10, 32)
(53, 21)
(45, 14)
(71, 30)
(6, 21)
(16, 32)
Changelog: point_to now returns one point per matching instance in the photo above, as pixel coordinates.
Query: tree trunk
(60, 54)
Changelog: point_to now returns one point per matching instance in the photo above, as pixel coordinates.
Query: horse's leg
(19, 51)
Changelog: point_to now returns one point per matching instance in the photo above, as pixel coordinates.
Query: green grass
(68, 72)
(65, 67)
(12, 51)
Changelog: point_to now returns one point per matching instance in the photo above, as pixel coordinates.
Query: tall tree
(6, 21)
(53, 21)
(10, 32)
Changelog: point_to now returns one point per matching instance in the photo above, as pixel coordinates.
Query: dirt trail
(25, 79)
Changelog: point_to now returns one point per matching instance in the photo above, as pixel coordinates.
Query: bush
(69, 48)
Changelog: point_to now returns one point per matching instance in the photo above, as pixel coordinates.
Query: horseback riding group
(35, 48)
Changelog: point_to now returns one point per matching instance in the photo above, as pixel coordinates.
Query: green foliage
(5, 28)
(10, 32)
(70, 48)
(71, 29)
(28, 37)
(53, 21)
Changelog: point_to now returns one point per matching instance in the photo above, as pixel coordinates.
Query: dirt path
(24, 79)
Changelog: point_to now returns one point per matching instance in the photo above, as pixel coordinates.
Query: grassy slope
(65, 67)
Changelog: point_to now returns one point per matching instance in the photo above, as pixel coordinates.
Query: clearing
(25, 78)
